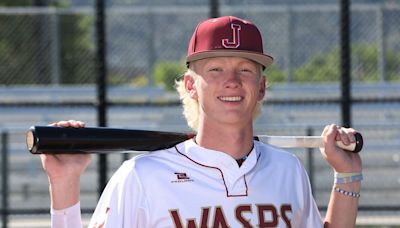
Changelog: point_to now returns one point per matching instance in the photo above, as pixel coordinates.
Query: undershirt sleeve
(66, 218)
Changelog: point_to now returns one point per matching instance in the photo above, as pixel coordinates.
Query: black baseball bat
(48, 139)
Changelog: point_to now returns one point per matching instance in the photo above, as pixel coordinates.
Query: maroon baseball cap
(227, 36)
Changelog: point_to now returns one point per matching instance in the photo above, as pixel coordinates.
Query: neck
(237, 142)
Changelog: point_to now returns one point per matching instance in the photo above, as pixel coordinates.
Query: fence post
(214, 8)
(55, 49)
(151, 56)
(101, 103)
(381, 43)
(345, 64)
(4, 178)
(289, 44)
(310, 160)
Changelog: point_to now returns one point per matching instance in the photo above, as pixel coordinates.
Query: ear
(261, 92)
(190, 86)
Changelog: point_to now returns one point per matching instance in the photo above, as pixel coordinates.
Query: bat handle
(352, 147)
(309, 142)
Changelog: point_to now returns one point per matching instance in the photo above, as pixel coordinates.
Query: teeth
(237, 98)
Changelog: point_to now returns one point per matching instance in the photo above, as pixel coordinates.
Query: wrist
(64, 193)
(344, 178)
(348, 183)
(353, 187)
(350, 193)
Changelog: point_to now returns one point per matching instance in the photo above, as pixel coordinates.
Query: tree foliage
(325, 67)
(77, 50)
(275, 75)
(27, 41)
(167, 72)
(364, 61)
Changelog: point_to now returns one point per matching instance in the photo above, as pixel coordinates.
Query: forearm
(342, 209)
(64, 194)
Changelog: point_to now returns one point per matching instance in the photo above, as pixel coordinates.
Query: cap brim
(262, 59)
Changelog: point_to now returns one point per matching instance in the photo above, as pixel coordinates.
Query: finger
(62, 123)
(346, 135)
(69, 123)
(351, 134)
(324, 132)
(76, 124)
(329, 135)
(82, 124)
(341, 135)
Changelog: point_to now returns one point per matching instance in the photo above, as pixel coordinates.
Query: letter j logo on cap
(235, 42)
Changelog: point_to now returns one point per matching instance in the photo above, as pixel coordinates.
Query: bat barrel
(45, 139)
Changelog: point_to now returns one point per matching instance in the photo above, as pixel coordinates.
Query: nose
(232, 80)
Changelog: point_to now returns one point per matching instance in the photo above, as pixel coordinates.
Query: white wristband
(344, 178)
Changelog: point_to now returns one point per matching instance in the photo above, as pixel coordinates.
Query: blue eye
(216, 69)
(247, 70)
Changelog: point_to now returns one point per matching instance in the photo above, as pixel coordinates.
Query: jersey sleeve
(122, 203)
(309, 216)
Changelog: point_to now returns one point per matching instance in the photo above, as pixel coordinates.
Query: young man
(221, 178)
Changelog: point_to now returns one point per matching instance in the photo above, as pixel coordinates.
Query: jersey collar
(218, 159)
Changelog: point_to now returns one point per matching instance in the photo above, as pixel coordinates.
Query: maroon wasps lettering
(268, 216)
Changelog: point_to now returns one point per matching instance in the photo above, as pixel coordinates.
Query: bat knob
(359, 143)
(31, 140)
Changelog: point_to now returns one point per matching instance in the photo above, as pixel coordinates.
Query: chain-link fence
(54, 46)
(48, 73)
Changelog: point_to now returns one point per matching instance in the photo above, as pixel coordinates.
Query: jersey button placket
(234, 179)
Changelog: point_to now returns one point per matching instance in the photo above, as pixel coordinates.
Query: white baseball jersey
(190, 186)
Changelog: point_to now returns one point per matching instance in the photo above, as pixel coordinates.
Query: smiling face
(227, 89)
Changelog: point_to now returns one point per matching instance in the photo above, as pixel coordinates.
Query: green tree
(364, 57)
(365, 64)
(320, 68)
(167, 72)
(275, 75)
(77, 50)
(15, 3)
(25, 44)
(16, 56)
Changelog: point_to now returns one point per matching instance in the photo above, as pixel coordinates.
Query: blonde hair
(191, 106)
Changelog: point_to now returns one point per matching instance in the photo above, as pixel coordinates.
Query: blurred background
(113, 63)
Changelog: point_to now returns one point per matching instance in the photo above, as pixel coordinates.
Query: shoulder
(137, 170)
(273, 151)
(150, 162)
(276, 155)
(159, 156)
(283, 164)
